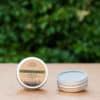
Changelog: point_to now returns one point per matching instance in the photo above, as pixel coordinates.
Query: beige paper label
(32, 72)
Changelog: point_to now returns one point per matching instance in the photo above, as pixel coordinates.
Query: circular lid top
(32, 73)
(72, 77)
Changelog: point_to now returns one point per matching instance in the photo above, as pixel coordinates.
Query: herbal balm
(32, 73)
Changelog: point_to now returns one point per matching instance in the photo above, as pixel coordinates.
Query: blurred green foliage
(54, 30)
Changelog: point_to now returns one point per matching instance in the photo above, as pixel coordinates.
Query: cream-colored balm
(32, 73)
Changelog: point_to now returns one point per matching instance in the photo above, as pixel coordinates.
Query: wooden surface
(11, 90)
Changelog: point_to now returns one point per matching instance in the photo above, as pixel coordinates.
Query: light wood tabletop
(11, 90)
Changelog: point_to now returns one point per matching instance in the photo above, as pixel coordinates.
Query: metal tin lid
(72, 77)
(32, 73)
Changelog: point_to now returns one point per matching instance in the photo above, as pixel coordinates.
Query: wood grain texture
(11, 90)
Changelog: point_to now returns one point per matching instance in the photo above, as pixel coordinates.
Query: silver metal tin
(72, 81)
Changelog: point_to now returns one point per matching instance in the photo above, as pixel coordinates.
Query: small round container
(32, 73)
(72, 81)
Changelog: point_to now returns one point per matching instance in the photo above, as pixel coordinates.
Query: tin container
(32, 73)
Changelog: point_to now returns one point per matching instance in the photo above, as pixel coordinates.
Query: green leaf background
(54, 30)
